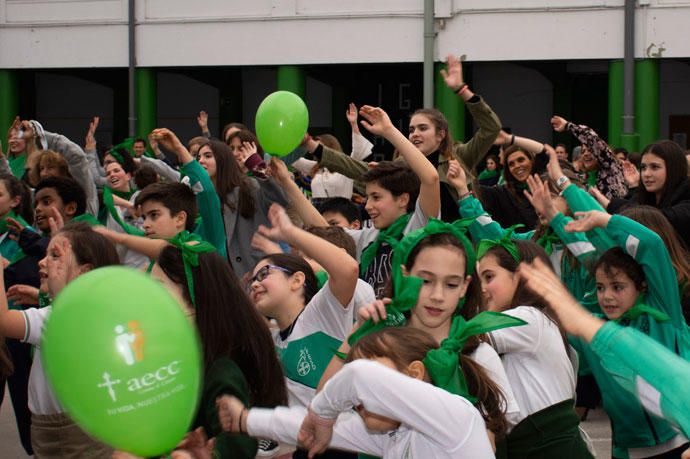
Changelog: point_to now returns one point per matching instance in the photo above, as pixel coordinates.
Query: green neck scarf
(88, 218)
(390, 235)
(548, 239)
(591, 178)
(640, 308)
(443, 363)
(110, 205)
(17, 165)
(190, 246)
(487, 174)
(11, 214)
(505, 242)
(321, 279)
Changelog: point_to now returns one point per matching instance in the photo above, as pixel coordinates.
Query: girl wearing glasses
(311, 322)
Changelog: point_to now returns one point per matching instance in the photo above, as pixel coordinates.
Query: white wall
(93, 33)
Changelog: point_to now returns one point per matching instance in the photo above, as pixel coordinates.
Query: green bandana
(110, 205)
(17, 165)
(487, 174)
(88, 218)
(547, 240)
(505, 242)
(390, 235)
(321, 279)
(443, 364)
(591, 178)
(640, 308)
(190, 255)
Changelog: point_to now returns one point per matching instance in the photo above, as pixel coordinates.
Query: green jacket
(469, 154)
(224, 378)
(632, 426)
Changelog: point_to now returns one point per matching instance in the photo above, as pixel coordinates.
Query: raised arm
(342, 269)
(306, 211)
(377, 122)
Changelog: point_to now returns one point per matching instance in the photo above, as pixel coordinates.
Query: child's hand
(167, 139)
(456, 176)
(453, 76)
(553, 166)
(558, 123)
(539, 196)
(376, 120)
(265, 245)
(281, 225)
(248, 149)
(111, 235)
(351, 114)
(375, 311)
(631, 174)
(278, 170)
(194, 446)
(14, 228)
(55, 221)
(315, 433)
(586, 221)
(230, 411)
(23, 294)
(599, 196)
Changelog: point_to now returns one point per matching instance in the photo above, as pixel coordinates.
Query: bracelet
(461, 89)
(512, 139)
(464, 195)
(562, 180)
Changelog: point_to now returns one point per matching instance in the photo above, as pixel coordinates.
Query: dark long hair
(17, 188)
(90, 247)
(511, 183)
(228, 177)
(229, 325)
(404, 345)
(676, 172)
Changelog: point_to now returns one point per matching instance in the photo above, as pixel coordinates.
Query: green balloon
(123, 360)
(281, 122)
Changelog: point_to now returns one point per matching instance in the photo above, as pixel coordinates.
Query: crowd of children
(463, 300)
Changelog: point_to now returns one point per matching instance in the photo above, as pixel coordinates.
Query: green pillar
(647, 100)
(292, 78)
(450, 104)
(616, 101)
(147, 99)
(9, 101)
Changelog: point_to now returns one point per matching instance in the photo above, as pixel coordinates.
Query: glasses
(262, 273)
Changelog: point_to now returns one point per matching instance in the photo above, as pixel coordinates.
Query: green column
(616, 97)
(9, 101)
(647, 100)
(147, 98)
(450, 104)
(292, 78)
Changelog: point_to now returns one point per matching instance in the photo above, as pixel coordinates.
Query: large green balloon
(281, 122)
(123, 360)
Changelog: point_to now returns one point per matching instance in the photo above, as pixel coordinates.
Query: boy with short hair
(341, 212)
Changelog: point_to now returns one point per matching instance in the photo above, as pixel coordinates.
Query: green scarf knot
(640, 308)
(547, 240)
(390, 236)
(443, 363)
(110, 205)
(190, 246)
(506, 242)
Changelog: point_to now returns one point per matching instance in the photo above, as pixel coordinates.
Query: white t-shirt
(41, 397)
(486, 356)
(535, 361)
(364, 295)
(323, 318)
(327, 184)
(434, 422)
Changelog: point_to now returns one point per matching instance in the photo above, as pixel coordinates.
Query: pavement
(596, 426)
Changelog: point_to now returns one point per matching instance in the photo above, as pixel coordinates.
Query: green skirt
(551, 432)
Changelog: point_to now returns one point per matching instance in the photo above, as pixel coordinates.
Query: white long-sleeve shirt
(434, 422)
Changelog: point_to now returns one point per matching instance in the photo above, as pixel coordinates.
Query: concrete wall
(93, 33)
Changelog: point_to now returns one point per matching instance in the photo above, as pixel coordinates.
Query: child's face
(442, 270)
(519, 165)
(118, 179)
(158, 223)
(7, 202)
(337, 219)
(653, 172)
(498, 284)
(45, 199)
(490, 165)
(207, 161)
(59, 266)
(270, 287)
(616, 292)
(238, 152)
(383, 207)
(423, 134)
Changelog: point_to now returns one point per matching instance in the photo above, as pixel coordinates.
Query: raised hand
(278, 170)
(376, 120)
(351, 114)
(586, 221)
(631, 174)
(553, 166)
(558, 123)
(456, 176)
(375, 311)
(539, 196)
(202, 120)
(55, 221)
(90, 142)
(281, 225)
(168, 140)
(23, 294)
(453, 76)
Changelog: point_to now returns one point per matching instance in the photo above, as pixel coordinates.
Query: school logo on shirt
(305, 362)
(130, 342)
